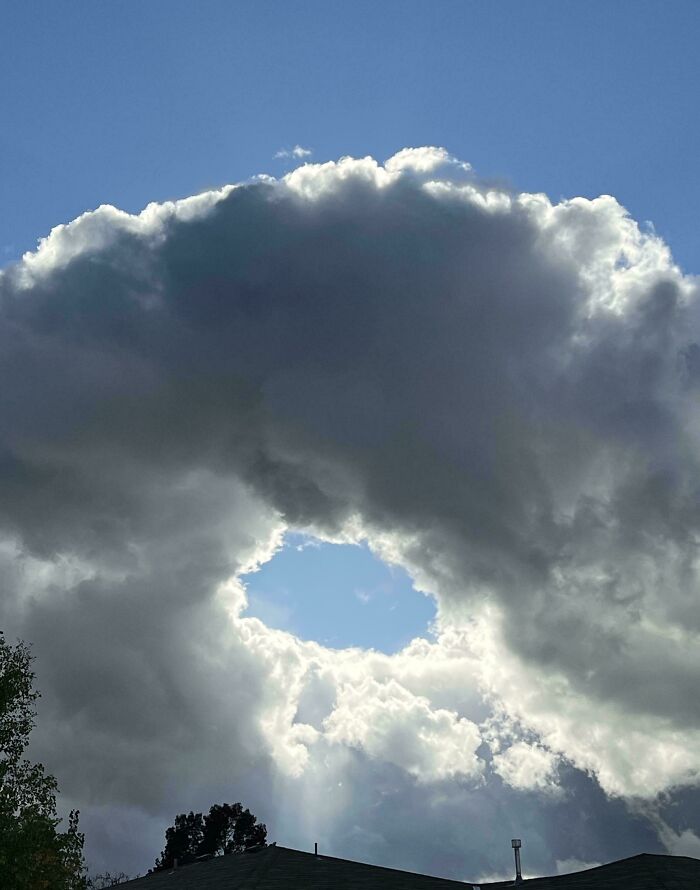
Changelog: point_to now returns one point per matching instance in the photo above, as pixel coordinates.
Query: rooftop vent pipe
(516, 844)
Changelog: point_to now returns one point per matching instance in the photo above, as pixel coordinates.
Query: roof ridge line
(401, 871)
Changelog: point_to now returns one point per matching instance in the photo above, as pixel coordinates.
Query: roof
(279, 868)
(647, 871)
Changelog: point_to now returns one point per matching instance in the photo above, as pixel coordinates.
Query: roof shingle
(280, 868)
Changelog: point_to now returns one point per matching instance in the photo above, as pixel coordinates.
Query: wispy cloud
(297, 152)
(315, 543)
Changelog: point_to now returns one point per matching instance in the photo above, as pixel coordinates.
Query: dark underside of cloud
(496, 392)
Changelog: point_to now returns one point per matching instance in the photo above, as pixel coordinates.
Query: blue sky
(174, 388)
(131, 102)
(338, 594)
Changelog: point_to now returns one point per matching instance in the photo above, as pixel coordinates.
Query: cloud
(297, 153)
(686, 843)
(393, 725)
(495, 391)
(427, 159)
(568, 866)
(526, 766)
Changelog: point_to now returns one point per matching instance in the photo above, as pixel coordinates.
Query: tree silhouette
(227, 828)
(33, 854)
(107, 879)
(182, 841)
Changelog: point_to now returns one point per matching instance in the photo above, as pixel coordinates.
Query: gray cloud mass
(497, 392)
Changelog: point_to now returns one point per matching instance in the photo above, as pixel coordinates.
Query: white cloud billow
(526, 766)
(392, 724)
(495, 391)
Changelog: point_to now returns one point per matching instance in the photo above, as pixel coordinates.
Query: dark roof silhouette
(647, 871)
(279, 868)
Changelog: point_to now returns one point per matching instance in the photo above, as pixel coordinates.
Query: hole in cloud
(339, 595)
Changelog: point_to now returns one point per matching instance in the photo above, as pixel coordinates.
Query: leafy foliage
(182, 841)
(227, 828)
(33, 854)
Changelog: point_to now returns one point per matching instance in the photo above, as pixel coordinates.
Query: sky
(341, 595)
(349, 360)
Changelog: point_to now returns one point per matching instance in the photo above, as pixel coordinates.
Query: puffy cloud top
(496, 391)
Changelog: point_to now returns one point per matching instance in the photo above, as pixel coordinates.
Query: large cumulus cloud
(498, 392)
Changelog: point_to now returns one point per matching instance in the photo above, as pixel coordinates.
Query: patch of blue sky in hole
(339, 595)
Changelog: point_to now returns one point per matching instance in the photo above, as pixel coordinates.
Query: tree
(227, 828)
(107, 879)
(182, 841)
(34, 855)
